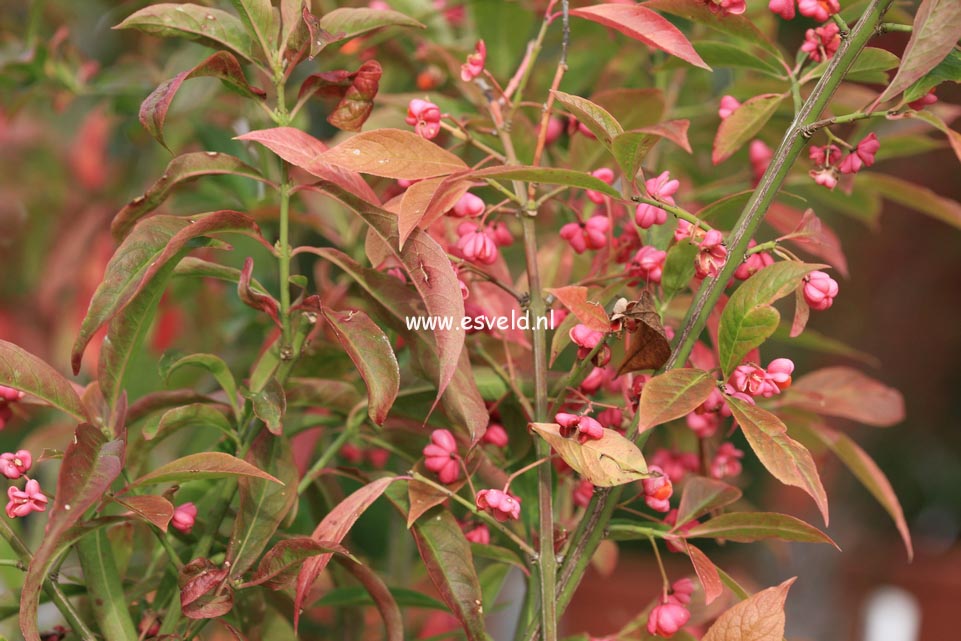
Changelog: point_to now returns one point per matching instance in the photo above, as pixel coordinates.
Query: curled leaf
(355, 92)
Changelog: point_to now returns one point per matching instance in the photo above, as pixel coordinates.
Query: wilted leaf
(221, 65)
(647, 345)
(205, 465)
(587, 312)
(447, 557)
(743, 124)
(747, 527)
(212, 27)
(748, 318)
(702, 495)
(333, 528)
(608, 461)
(253, 299)
(282, 562)
(270, 405)
(640, 23)
(318, 37)
(846, 393)
(673, 394)
(263, 504)
(354, 91)
(787, 460)
(759, 618)
(936, 30)
(23, 371)
(180, 170)
(90, 465)
(370, 350)
(204, 590)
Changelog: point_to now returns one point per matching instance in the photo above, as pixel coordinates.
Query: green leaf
(191, 267)
(759, 618)
(370, 350)
(954, 137)
(212, 27)
(90, 465)
(144, 252)
(258, 16)
(702, 495)
(678, 269)
(743, 124)
(630, 148)
(914, 197)
(356, 596)
(221, 65)
(213, 364)
(672, 395)
(281, 564)
(948, 70)
(23, 371)
(194, 415)
(866, 66)
(352, 22)
(205, 465)
(263, 504)
(498, 554)
(270, 405)
(447, 557)
(787, 460)
(726, 54)
(867, 472)
(747, 527)
(936, 30)
(748, 318)
(846, 393)
(597, 119)
(608, 461)
(180, 170)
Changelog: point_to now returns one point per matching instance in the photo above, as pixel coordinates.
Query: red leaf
(303, 150)
(90, 465)
(369, 348)
(204, 590)
(673, 130)
(204, 465)
(221, 65)
(23, 371)
(847, 393)
(646, 26)
(333, 529)
(701, 495)
(747, 527)
(283, 561)
(260, 302)
(393, 153)
(787, 460)
(706, 572)
(758, 618)
(356, 92)
(151, 508)
(814, 237)
(587, 312)
(420, 198)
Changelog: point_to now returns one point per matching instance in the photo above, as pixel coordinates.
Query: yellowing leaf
(743, 124)
(847, 393)
(673, 394)
(758, 618)
(605, 462)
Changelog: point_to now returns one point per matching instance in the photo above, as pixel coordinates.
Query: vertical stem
(283, 256)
